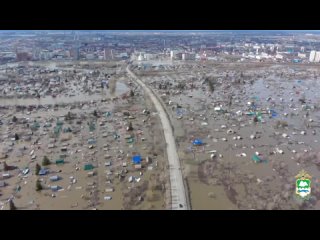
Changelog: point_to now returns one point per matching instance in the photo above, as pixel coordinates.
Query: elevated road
(178, 192)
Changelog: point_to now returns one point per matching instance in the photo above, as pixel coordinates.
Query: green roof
(88, 167)
(256, 158)
(60, 161)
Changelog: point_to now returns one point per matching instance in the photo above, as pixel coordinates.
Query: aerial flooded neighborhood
(159, 120)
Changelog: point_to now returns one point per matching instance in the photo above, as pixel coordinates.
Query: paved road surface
(178, 192)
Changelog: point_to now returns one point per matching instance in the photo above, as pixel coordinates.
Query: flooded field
(258, 127)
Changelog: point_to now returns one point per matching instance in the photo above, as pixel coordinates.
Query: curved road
(178, 192)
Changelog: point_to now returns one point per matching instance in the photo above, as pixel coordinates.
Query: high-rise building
(317, 57)
(171, 54)
(312, 56)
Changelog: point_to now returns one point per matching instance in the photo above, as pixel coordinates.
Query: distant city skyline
(227, 30)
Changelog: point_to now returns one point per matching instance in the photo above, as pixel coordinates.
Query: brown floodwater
(121, 88)
(237, 182)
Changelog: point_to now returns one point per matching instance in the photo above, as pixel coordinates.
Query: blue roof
(197, 142)
(136, 159)
(273, 113)
(43, 171)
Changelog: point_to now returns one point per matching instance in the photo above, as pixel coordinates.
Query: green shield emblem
(303, 187)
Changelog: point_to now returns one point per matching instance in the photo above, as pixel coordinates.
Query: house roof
(43, 171)
(136, 159)
(54, 177)
(197, 142)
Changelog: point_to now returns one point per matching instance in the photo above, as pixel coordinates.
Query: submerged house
(59, 161)
(54, 188)
(43, 171)
(88, 166)
(54, 178)
(136, 159)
